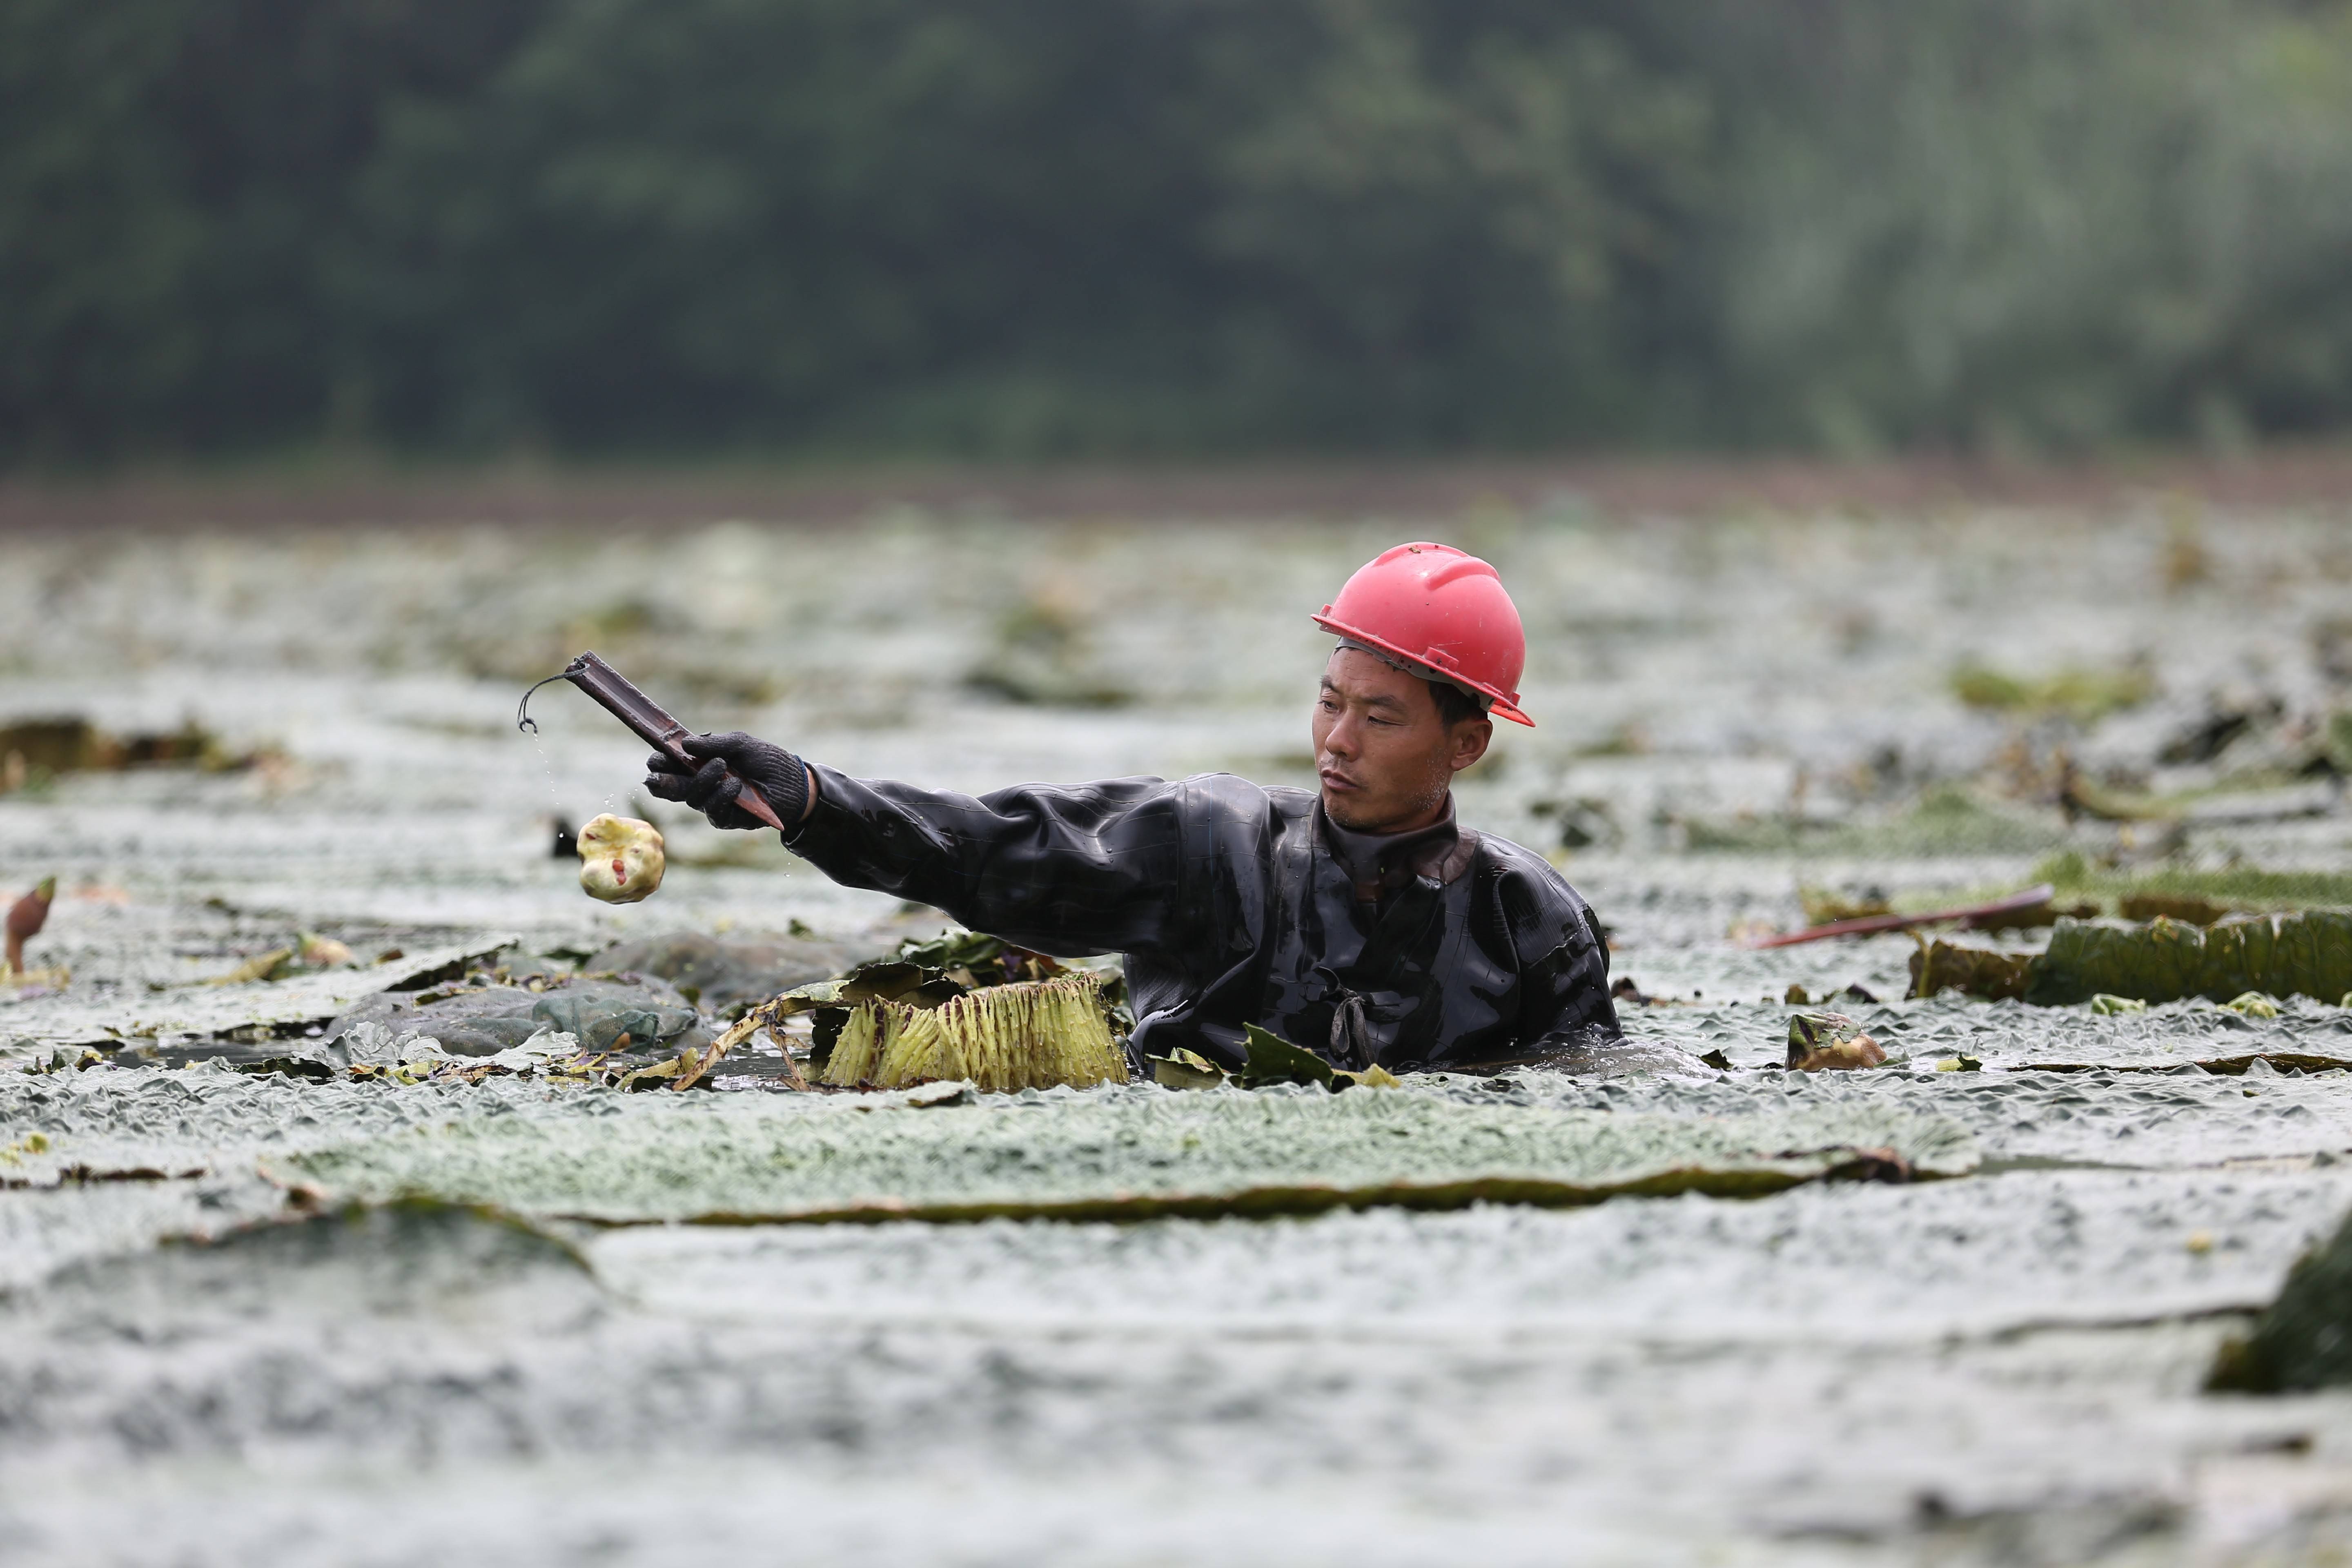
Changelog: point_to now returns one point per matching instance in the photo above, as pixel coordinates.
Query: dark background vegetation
(1041, 229)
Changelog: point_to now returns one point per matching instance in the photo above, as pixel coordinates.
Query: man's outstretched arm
(1064, 868)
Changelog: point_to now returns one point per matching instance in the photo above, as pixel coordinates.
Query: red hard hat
(1431, 605)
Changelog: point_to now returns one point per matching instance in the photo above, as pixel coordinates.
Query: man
(1362, 922)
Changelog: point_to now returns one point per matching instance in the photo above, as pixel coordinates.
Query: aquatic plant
(2279, 955)
(1033, 1035)
(2166, 959)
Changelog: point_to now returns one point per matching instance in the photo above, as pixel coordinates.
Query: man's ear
(1471, 739)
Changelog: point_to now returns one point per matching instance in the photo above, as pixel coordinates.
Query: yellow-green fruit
(619, 858)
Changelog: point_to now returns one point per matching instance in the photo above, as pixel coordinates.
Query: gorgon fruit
(619, 858)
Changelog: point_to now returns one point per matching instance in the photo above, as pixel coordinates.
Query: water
(1997, 1369)
(554, 799)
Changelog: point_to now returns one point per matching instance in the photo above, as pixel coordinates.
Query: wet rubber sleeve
(1069, 869)
(1564, 965)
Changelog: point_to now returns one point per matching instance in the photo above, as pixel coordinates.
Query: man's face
(1385, 757)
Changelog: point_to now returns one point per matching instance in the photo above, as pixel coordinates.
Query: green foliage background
(1053, 227)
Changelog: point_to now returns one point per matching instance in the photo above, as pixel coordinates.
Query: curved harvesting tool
(612, 691)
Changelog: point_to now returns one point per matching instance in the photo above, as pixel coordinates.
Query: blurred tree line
(1049, 227)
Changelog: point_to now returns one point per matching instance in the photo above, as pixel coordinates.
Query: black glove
(732, 763)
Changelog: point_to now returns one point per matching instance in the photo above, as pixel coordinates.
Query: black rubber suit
(1236, 904)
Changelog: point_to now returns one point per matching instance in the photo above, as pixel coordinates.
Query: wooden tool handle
(612, 691)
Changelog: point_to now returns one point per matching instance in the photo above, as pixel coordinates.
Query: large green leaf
(1122, 1154)
(2166, 959)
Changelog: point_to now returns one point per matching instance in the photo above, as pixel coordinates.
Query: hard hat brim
(1504, 707)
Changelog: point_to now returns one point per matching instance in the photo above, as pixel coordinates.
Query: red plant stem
(1871, 925)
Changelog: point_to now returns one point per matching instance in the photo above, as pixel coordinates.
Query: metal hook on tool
(523, 721)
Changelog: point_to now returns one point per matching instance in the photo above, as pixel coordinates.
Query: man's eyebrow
(1378, 699)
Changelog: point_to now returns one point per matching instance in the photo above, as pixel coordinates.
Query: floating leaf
(812, 1157)
(1273, 1060)
(1181, 1068)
